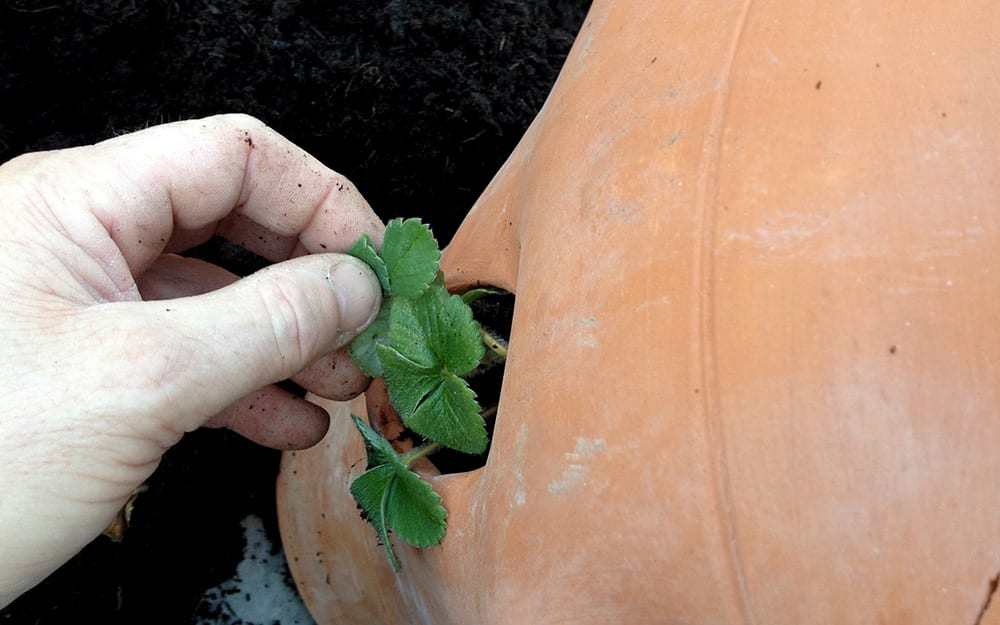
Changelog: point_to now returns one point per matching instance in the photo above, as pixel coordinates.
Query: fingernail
(358, 296)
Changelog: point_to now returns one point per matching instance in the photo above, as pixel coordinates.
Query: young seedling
(424, 343)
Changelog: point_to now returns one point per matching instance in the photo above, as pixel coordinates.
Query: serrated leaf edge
(438, 516)
(364, 250)
(396, 228)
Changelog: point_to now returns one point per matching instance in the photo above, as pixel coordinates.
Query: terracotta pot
(754, 371)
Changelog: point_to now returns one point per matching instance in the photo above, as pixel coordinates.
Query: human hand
(111, 348)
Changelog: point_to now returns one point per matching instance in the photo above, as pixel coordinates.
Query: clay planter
(754, 370)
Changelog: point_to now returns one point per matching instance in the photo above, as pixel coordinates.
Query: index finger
(174, 186)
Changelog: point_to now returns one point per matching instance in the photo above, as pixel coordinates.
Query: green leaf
(415, 510)
(380, 451)
(394, 498)
(408, 332)
(372, 490)
(411, 257)
(433, 340)
(438, 279)
(408, 382)
(364, 249)
(437, 330)
(362, 348)
(453, 334)
(450, 415)
(470, 296)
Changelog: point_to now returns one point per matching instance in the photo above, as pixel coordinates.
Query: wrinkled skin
(112, 347)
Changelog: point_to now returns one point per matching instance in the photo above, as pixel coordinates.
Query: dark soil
(418, 102)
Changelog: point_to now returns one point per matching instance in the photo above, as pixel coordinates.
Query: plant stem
(489, 413)
(419, 452)
(496, 353)
(496, 349)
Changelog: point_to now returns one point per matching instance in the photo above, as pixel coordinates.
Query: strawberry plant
(425, 344)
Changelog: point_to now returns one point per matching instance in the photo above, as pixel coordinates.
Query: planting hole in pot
(494, 313)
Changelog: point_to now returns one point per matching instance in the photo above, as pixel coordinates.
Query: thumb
(212, 349)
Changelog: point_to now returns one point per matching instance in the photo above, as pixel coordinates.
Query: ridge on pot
(754, 362)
